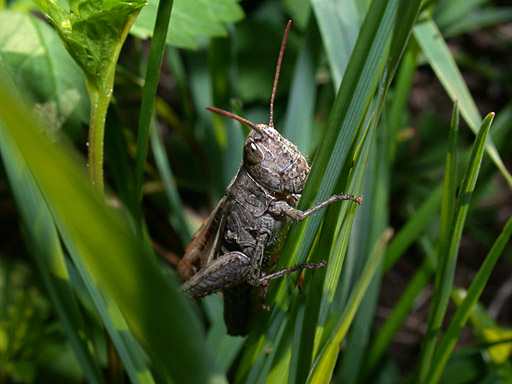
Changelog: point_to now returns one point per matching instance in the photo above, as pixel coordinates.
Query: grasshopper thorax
(273, 161)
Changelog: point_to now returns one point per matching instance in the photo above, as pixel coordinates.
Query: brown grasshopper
(234, 249)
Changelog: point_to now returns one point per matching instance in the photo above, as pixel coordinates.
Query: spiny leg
(299, 215)
(265, 280)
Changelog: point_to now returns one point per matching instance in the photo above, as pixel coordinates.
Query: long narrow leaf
(448, 259)
(324, 365)
(47, 250)
(113, 255)
(442, 62)
(461, 316)
(156, 53)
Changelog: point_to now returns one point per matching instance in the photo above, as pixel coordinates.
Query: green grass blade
(448, 12)
(442, 62)
(178, 219)
(298, 124)
(339, 26)
(401, 310)
(54, 272)
(46, 250)
(487, 331)
(363, 239)
(413, 228)
(156, 53)
(347, 114)
(450, 179)
(448, 258)
(115, 324)
(351, 105)
(461, 316)
(335, 243)
(156, 312)
(326, 360)
(479, 19)
(401, 92)
(230, 138)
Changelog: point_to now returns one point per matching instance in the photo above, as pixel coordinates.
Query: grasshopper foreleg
(224, 272)
(283, 208)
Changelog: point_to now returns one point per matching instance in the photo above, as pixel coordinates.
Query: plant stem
(99, 107)
(100, 90)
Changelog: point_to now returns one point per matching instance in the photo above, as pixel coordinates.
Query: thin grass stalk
(156, 53)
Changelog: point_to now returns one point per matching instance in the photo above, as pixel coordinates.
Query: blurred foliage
(32, 341)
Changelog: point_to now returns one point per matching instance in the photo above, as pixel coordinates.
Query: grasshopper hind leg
(226, 271)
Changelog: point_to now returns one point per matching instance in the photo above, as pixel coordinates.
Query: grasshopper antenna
(235, 117)
(278, 69)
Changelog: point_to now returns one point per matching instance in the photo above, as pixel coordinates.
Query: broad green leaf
(93, 33)
(190, 19)
(156, 312)
(40, 65)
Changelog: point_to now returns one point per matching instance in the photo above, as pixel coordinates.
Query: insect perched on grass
(235, 248)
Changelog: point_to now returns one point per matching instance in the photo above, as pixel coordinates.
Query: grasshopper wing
(204, 246)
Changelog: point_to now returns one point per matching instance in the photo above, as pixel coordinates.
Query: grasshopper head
(274, 161)
(270, 159)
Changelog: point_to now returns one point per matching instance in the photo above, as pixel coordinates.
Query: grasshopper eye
(252, 153)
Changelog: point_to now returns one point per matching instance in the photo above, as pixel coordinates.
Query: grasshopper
(234, 249)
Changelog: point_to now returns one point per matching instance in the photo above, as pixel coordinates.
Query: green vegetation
(110, 162)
